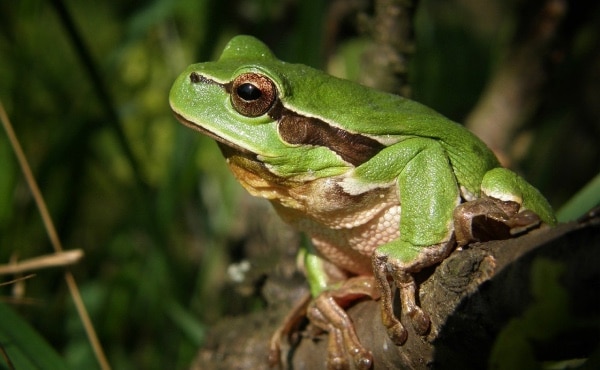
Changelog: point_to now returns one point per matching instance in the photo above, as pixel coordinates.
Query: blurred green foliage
(23, 346)
(547, 318)
(151, 203)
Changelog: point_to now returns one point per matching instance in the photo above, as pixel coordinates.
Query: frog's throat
(256, 177)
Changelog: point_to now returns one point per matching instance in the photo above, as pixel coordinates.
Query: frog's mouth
(227, 147)
(245, 164)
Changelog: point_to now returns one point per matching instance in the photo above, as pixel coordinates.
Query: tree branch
(385, 62)
(471, 298)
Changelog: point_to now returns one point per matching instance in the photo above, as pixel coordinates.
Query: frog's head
(260, 107)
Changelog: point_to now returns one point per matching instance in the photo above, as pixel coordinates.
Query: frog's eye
(253, 94)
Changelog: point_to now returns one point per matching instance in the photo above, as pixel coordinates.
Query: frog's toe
(407, 286)
(420, 322)
(365, 362)
(362, 358)
(523, 221)
(344, 348)
(336, 358)
(397, 333)
(340, 341)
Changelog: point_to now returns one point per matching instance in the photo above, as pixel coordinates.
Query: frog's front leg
(509, 205)
(428, 195)
(390, 271)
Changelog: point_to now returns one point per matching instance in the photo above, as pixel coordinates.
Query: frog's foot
(394, 265)
(327, 313)
(404, 281)
(489, 218)
(289, 325)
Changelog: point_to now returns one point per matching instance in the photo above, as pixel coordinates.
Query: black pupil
(248, 92)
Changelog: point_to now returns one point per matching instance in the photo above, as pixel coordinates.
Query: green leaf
(25, 348)
(586, 199)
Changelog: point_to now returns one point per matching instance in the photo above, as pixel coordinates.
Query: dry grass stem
(59, 259)
(53, 235)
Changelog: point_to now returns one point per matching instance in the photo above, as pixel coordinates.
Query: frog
(382, 185)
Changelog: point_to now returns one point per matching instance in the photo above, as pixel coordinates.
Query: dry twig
(59, 259)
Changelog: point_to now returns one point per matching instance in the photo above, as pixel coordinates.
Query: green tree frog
(382, 185)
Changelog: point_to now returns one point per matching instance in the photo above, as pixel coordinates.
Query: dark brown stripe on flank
(353, 148)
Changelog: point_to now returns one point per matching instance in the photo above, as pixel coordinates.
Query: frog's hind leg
(327, 313)
(290, 323)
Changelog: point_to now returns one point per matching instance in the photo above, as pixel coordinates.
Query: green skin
(426, 163)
